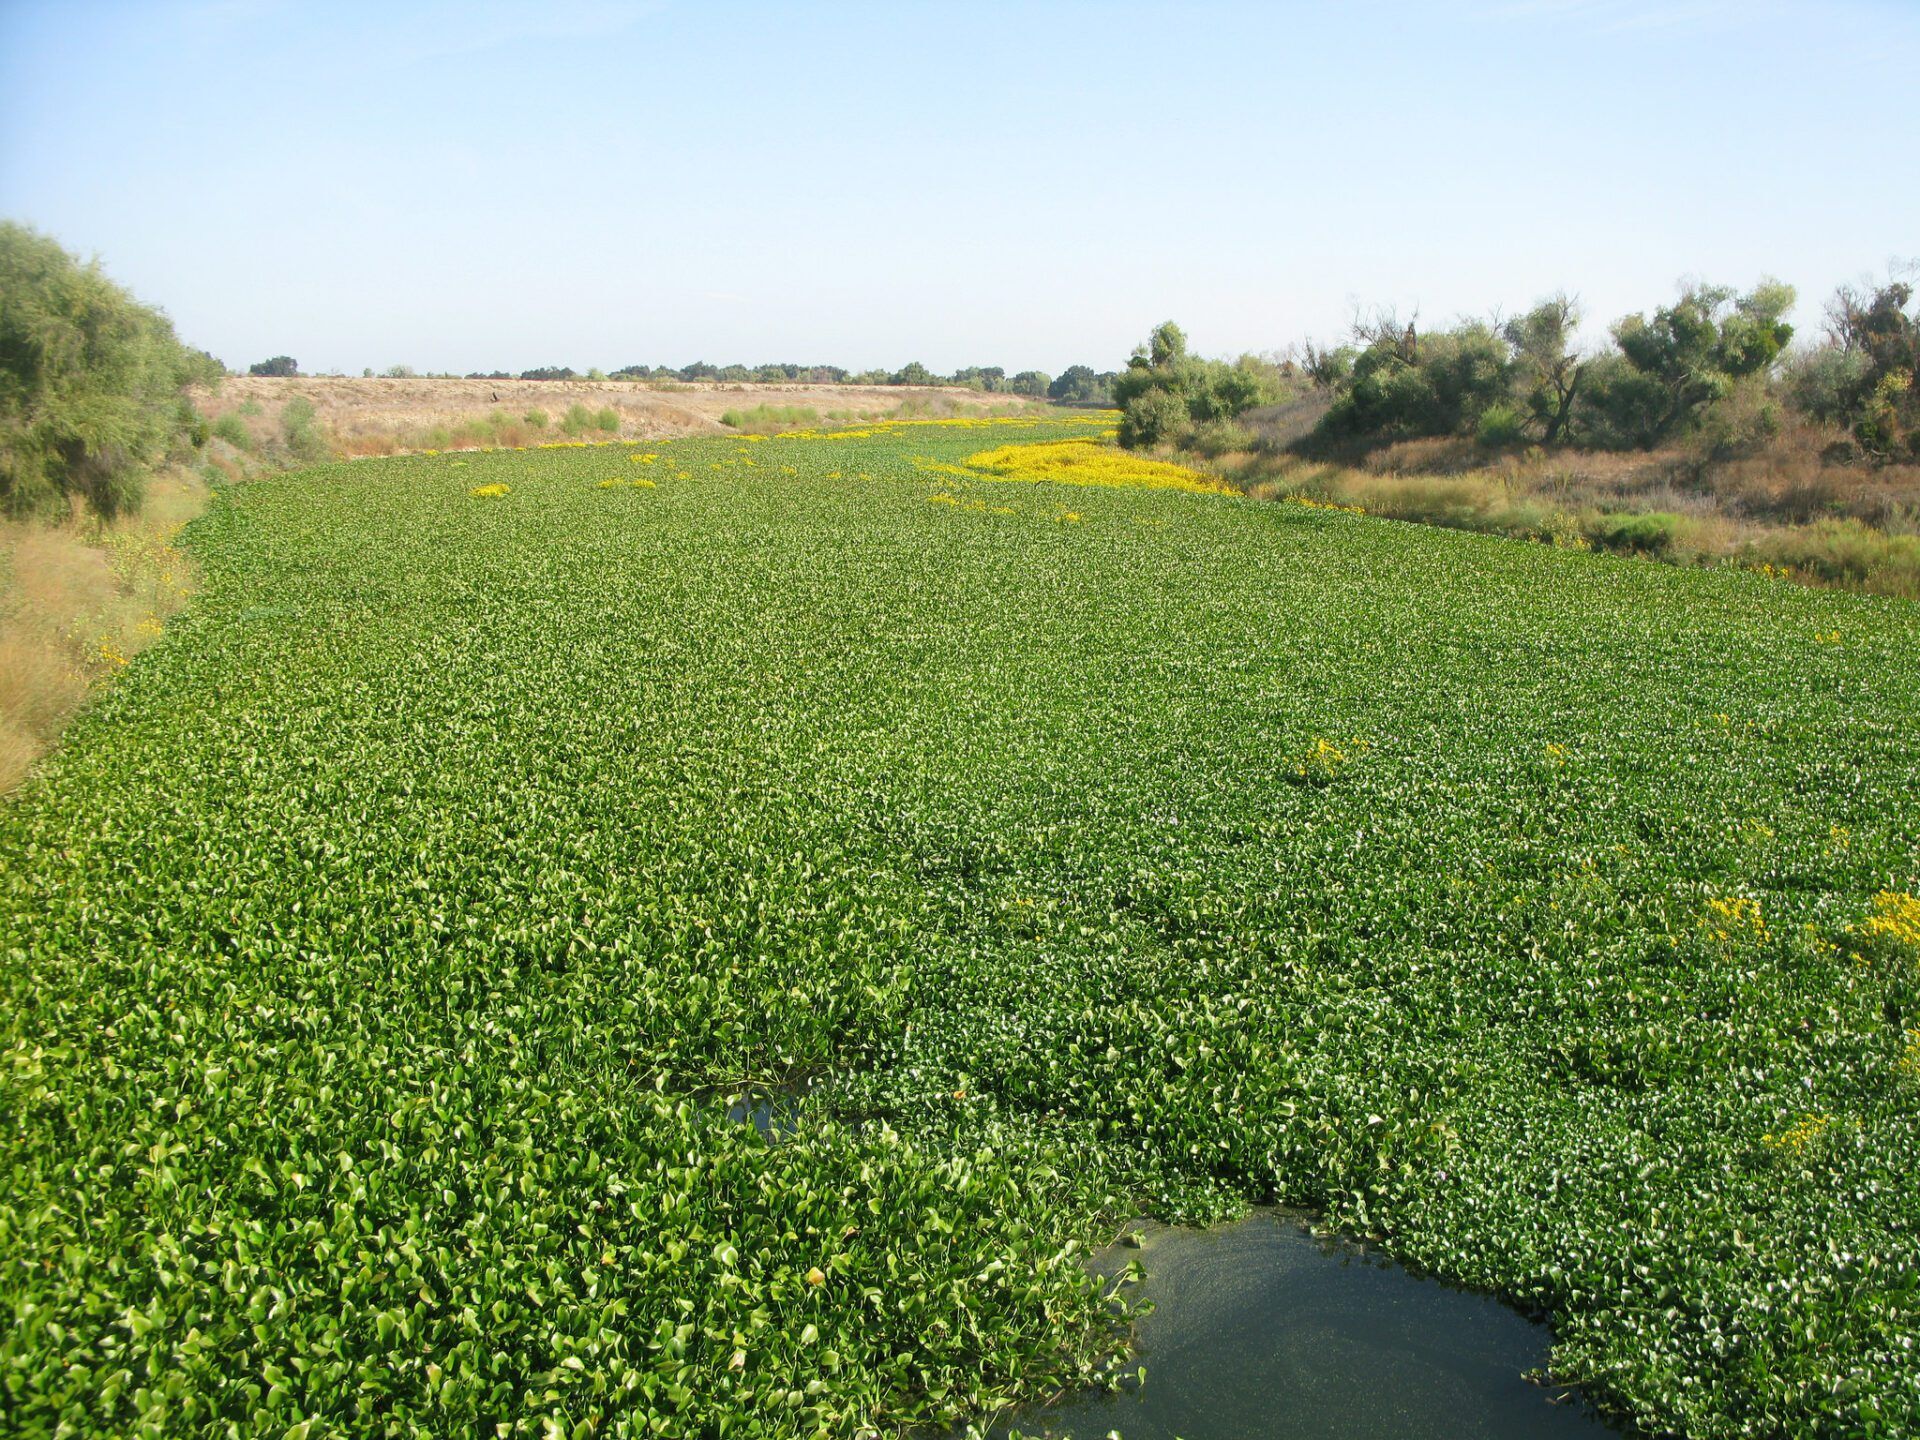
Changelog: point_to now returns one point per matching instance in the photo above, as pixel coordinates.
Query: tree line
(1078, 384)
(1714, 365)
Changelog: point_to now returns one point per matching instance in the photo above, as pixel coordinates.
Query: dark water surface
(1262, 1332)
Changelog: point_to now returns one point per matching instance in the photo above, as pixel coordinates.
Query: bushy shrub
(1692, 353)
(1082, 385)
(90, 382)
(280, 365)
(1154, 417)
(1164, 392)
(1651, 533)
(232, 429)
(1500, 426)
(303, 439)
(579, 420)
(1619, 407)
(1404, 384)
(1743, 421)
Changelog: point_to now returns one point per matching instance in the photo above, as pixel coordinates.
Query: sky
(482, 186)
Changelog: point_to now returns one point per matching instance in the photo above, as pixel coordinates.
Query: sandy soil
(350, 408)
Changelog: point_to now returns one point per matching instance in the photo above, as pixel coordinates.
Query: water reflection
(1263, 1332)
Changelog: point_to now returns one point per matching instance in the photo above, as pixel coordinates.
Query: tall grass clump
(766, 419)
(579, 420)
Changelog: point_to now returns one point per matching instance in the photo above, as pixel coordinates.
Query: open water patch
(1261, 1330)
(774, 1114)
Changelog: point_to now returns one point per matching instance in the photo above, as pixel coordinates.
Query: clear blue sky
(471, 186)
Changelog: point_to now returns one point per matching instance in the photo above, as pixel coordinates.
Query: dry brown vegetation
(381, 416)
(1784, 506)
(77, 601)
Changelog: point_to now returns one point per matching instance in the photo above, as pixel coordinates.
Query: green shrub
(1154, 417)
(90, 381)
(1500, 427)
(303, 439)
(232, 429)
(765, 419)
(1164, 391)
(1650, 533)
(608, 419)
(536, 418)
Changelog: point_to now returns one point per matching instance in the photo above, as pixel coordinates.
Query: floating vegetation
(377, 957)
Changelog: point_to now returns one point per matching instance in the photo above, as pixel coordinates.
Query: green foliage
(1620, 407)
(1645, 532)
(1153, 416)
(765, 419)
(1164, 392)
(912, 373)
(1405, 384)
(1689, 355)
(302, 435)
(232, 429)
(1082, 385)
(1863, 378)
(1500, 426)
(548, 372)
(278, 365)
(377, 960)
(579, 420)
(90, 382)
(1546, 369)
(1031, 383)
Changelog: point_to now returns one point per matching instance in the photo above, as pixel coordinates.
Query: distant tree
(1327, 368)
(1164, 392)
(548, 372)
(278, 365)
(1165, 347)
(1692, 352)
(1548, 368)
(1863, 378)
(1404, 382)
(1032, 383)
(698, 370)
(633, 372)
(1081, 384)
(400, 372)
(91, 382)
(911, 373)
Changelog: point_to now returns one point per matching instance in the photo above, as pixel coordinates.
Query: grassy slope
(347, 942)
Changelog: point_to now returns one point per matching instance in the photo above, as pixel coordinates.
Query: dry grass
(386, 416)
(77, 601)
(1647, 512)
(1781, 505)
